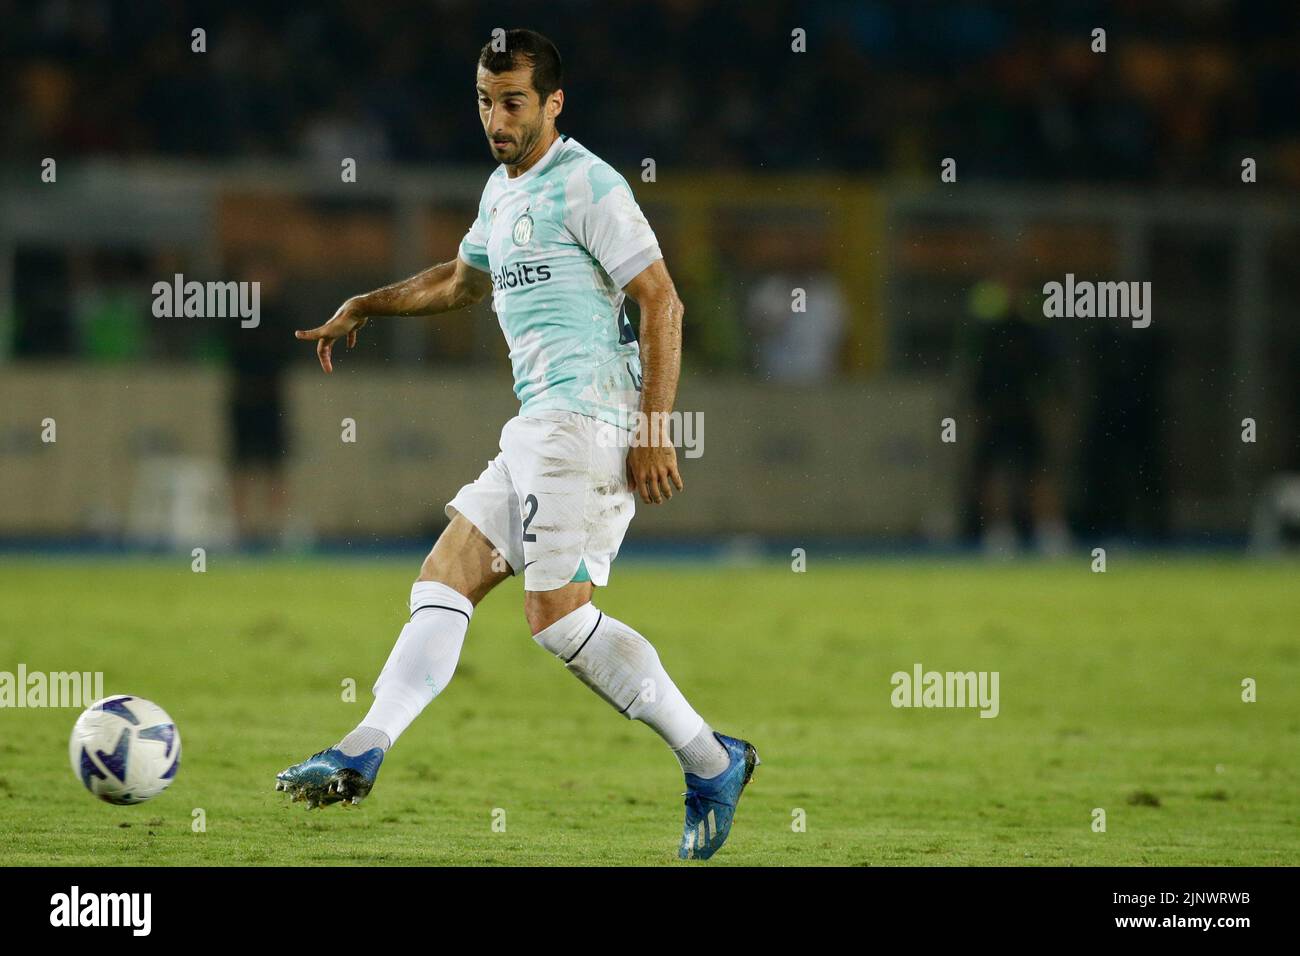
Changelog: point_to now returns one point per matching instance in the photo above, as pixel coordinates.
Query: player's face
(512, 114)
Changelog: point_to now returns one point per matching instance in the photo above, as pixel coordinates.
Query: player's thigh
(570, 481)
(465, 560)
(481, 546)
(544, 608)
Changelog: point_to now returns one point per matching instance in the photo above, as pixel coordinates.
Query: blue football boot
(331, 776)
(711, 803)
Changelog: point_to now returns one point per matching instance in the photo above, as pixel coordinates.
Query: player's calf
(623, 667)
(418, 669)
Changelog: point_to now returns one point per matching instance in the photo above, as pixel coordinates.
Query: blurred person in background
(796, 347)
(258, 358)
(111, 310)
(1016, 479)
(1124, 449)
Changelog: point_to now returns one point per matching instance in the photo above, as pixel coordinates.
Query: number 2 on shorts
(531, 503)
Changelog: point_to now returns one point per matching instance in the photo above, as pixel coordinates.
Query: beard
(524, 142)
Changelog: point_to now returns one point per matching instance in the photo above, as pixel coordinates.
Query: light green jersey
(560, 242)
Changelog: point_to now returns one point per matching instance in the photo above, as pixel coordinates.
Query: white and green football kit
(560, 242)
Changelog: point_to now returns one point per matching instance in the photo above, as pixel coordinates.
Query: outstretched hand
(346, 322)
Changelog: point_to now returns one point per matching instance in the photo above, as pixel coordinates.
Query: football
(125, 749)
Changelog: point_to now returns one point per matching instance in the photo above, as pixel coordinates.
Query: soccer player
(559, 241)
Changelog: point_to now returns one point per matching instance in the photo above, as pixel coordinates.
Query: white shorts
(556, 498)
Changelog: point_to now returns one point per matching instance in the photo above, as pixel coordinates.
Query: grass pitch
(1120, 691)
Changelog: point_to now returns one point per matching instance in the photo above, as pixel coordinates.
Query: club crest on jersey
(523, 230)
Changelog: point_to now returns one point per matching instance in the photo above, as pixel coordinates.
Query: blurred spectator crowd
(1185, 89)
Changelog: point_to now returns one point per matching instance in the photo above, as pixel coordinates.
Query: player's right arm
(451, 285)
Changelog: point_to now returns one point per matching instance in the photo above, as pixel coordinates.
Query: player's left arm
(652, 460)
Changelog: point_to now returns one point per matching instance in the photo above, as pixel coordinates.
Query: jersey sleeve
(473, 248)
(605, 219)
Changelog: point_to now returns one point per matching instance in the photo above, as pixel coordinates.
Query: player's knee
(564, 634)
(454, 577)
(539, 614)
(464, 563)
(544, 608)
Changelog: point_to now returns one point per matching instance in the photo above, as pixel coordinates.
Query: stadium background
(774, 170)
(817, 170)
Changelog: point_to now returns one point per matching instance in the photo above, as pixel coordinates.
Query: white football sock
(422, 661)
(623, 667)
(703, 755)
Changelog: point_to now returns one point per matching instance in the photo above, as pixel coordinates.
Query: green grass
(1118, 690)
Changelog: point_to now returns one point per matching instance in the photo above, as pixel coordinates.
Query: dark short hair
(534, 49)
